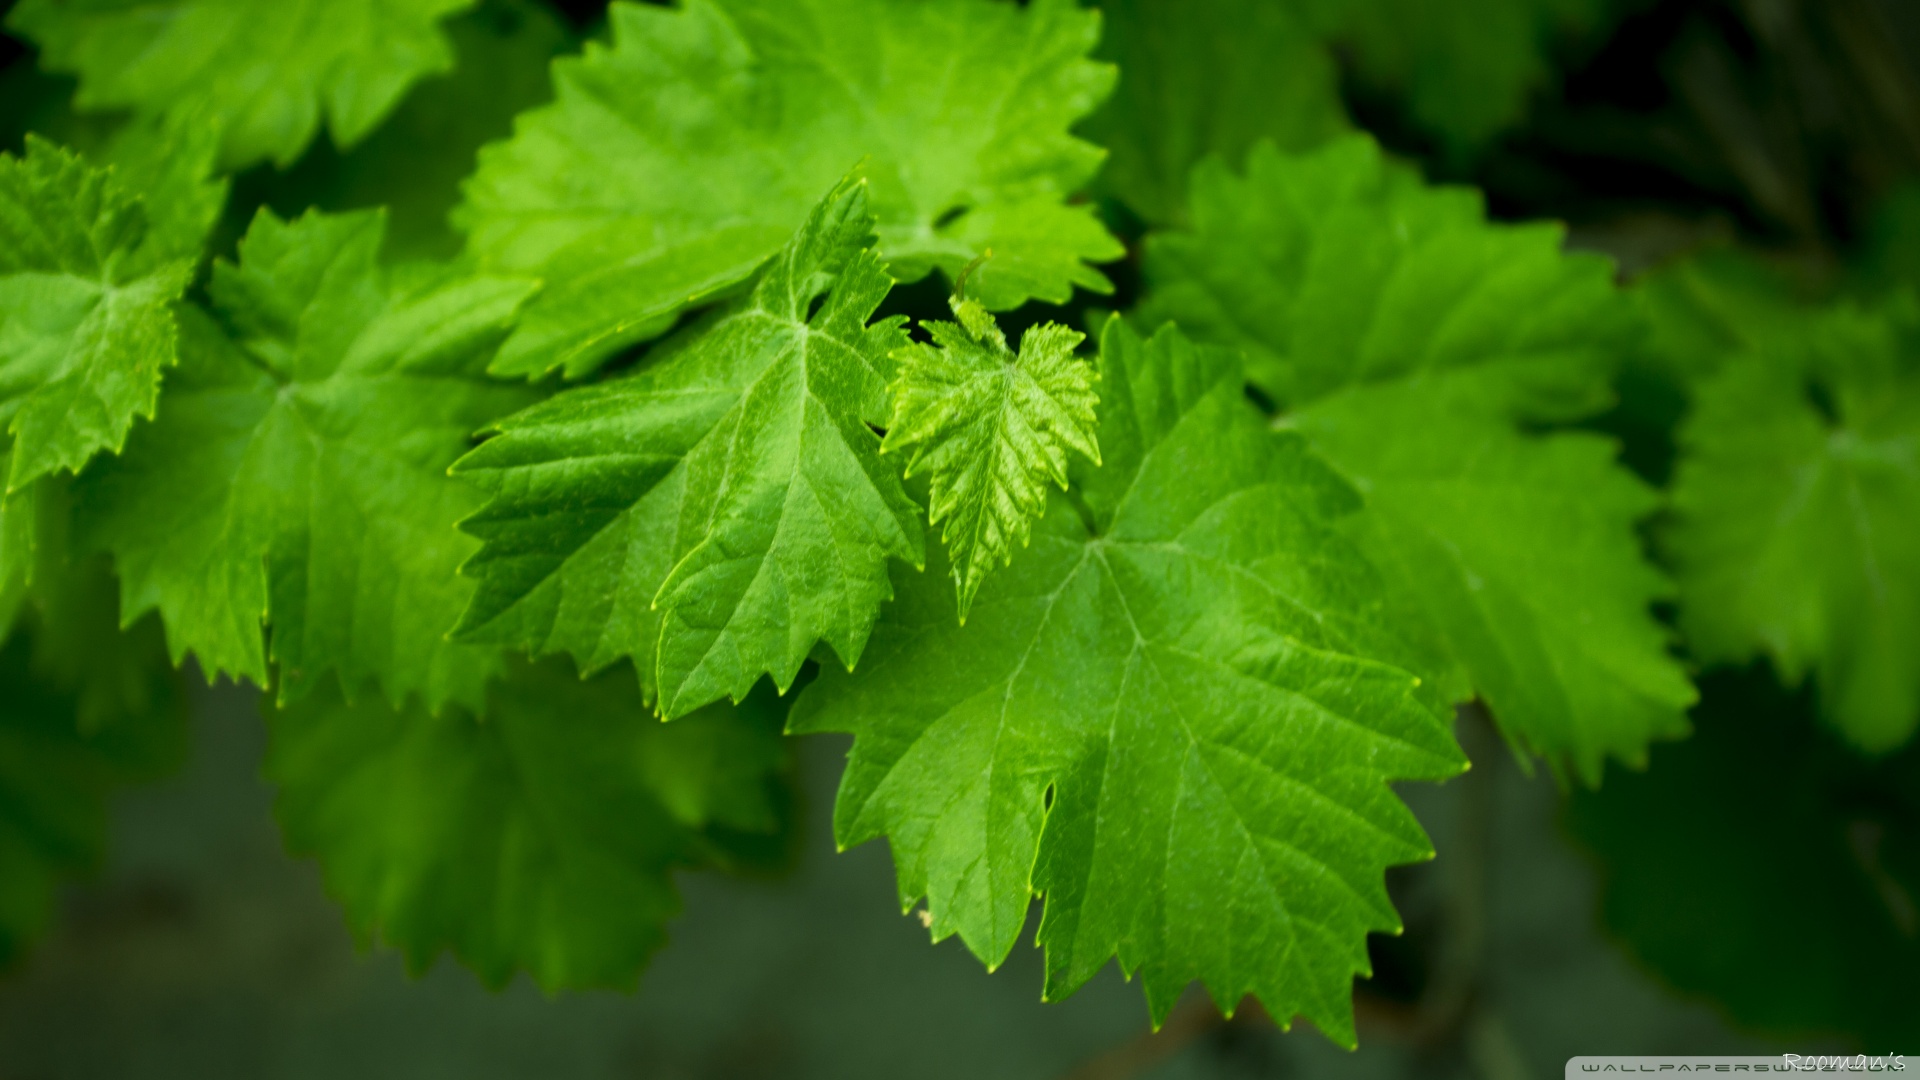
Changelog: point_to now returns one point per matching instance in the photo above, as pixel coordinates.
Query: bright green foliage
(990, 428)
(1465, 67)
(84, 710)
(297, 475)
(1147, 719)
(717, 513)
(1408, 338)
(678, 159)
(86, 311)
(1201, 78)
(539, 837)
(261, 73)
(1765, 864)
(1798, 506)
(171, 162)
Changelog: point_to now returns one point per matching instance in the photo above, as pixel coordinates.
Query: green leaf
(1203, 78)
(84, 710)
(261, 73)
(1765, 864)
(720, 511)
(1465, 67)
(1414, 343)
(991, 428)
(297, 475)
(539, 837)
(682, 156)
(1797, 507)
(86, 311)
(173, 162)
(1153, 718)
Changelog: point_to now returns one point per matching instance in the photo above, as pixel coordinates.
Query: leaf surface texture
(1151, 718)
(716, 513)
(1416, 345)
(680, 157)
(297, 476)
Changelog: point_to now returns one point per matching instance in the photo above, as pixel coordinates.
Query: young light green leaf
(86, 311)
(1200, 78)
(679, 158)
(1154, 718)
(991, 428)
(538, 837)
(1408, 339)
(1798, 516)
(297, 476)
(263, 73)
(717, 513)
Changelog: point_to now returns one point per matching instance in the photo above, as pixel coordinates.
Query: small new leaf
(86, 314)
(720, 511)
(991, 428)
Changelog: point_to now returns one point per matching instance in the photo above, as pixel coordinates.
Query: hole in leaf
(948, 217)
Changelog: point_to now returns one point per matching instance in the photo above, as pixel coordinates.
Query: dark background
(203, 951)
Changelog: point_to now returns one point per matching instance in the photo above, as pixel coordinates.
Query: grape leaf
(1797, 506)
(297, 475)
(538, 837)
(1151, 717)
(84, 710)
(678, 159)
(262, 73)
(1765, 864)
(1409, 339)
(720, 511)
(1200, 78)
(991, 428)
(1466, 67)
(86, 311)
(173, 162)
